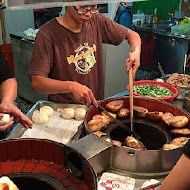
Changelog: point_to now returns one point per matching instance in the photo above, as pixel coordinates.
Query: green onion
(152, 91)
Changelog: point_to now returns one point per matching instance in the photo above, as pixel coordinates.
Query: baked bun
(96, 127)
(99, 133)
(123, 113)
(183, 132)
(167, 118)
(105, 120)
(179, 121)
(155, 115)
(115, 105)
(98, 122)
(117, 143)
(181, 141)
(140, 111)
(112, 114)
(170, 146)
(134, 143)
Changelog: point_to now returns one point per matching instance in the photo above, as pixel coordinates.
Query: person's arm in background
(9, 90)
(8, 93)
(178, 178)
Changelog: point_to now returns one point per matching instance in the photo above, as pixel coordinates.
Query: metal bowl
(182, 89)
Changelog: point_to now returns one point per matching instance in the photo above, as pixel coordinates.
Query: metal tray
(19, 131)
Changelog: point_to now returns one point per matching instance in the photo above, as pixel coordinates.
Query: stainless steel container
(141, 163)
(186, 102)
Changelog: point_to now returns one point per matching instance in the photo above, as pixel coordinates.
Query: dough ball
(5, 119)
(47, 110)
(68, 113)
(39, 118)
(80, 113)
(6, 183)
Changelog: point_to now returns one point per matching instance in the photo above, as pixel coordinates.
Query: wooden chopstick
(131, 96)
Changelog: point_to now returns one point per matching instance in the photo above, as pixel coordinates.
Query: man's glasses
(83, 11)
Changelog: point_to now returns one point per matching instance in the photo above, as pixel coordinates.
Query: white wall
(114, 62)
(116, 78)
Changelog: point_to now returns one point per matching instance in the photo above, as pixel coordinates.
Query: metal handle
(161, 71)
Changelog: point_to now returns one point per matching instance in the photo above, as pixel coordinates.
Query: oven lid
(20, 4)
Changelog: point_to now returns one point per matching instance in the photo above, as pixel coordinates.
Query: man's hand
(83, 94)
(133, 61)
(10, 108)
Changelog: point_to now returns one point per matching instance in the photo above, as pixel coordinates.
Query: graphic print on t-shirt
(84, 59)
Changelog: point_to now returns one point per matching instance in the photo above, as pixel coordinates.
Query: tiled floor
(23, 105)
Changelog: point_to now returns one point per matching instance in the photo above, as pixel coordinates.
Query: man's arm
(8, 96)
(9, 90)
(178, 179)
(134, 56)
(51, 86)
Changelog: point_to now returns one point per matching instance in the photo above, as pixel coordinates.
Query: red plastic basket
(163, 84)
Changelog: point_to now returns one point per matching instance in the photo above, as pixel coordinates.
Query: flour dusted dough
(47, 110)
(5, 119)
(80, 113)
(68, 113)
(39, 118)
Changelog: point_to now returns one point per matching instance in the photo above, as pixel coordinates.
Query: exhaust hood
(20, 4)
